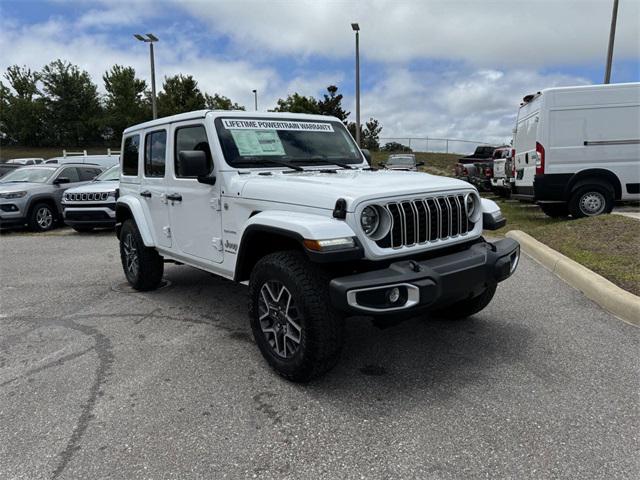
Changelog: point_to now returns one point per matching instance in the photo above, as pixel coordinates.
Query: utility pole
(612, 36)
(150, 39)
(356, 28)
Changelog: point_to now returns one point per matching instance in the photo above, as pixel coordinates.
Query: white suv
(288, 203)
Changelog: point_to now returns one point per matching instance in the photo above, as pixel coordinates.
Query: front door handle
(174, 197)
(146, 194)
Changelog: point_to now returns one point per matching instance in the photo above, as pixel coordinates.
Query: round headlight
(470, 204)
(369, 220)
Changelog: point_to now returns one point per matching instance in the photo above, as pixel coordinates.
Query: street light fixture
(255, 98)
(356, 28)
(150, 39)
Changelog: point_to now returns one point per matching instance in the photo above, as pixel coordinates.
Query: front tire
(591, 200)
(42, 218)
(466, 308)
(143, 266)
(298, 332)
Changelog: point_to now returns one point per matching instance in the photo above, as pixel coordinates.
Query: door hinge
(167, 231)
(215, 203)
(217, 243)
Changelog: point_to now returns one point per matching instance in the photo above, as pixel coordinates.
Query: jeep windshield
(266, 142)
(28, 175)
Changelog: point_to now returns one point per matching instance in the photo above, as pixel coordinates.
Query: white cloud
(522, 32)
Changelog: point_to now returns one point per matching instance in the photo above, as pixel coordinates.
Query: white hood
(316, 189)
(95, 187)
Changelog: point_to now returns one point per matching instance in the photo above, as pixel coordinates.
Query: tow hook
(415, 266)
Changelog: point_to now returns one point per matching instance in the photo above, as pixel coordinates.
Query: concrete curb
(609, 296)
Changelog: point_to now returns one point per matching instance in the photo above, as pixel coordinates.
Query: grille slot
(419, 221)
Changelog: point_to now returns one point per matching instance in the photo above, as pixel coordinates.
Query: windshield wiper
(247, 161)
(325, 160)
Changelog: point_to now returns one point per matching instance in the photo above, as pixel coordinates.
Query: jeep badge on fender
(316, 232)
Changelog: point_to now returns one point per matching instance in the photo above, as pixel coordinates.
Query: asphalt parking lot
(97, 381)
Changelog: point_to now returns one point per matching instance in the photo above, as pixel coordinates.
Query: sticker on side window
(251, 124)
(257, 142)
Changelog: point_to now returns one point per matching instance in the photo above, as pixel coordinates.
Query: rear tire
(142, 266)
(555, 210)
(591, 200)
(298, 332)
(42, 217)
(466, 308)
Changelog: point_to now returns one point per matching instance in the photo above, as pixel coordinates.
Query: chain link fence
(441, 145)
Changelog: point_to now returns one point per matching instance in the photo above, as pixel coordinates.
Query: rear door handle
(174, 197)
(146, 194)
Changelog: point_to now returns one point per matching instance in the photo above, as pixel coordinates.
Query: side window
(71, 173)
(155, 149)
(87, 173)
(130, 155)
(191, 138)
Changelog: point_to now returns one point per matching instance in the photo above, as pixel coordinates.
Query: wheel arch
(597, 176)
(130, 208)
(44, 198)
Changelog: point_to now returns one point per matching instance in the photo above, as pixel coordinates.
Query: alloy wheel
(131, 255)
(279, 318)
(44, 218)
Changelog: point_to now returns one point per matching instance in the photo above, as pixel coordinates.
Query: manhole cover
(124, 287)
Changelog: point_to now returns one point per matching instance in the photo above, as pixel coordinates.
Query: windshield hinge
(215, 203)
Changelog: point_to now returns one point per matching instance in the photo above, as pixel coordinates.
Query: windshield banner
(250, 124)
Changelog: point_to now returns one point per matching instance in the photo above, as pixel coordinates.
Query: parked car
(25, 161)
(403, 161)
(465, 168)
(503, 171)
(32, 195)
(92, 205)
(288, 203)
(7, 167)
(105, 161)
(578, 148)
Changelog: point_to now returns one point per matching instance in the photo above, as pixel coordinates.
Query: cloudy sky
(446, 68)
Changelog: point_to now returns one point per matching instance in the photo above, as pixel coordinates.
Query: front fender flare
(307, 226)
(133, 205)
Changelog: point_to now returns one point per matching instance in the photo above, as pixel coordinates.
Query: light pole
(150, 38)
(612, 35)
(356, 28)
(255, 98)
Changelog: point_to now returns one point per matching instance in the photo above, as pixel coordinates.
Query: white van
(105, 161)
(577, 149)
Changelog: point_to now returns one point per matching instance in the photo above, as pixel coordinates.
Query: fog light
(393, 295)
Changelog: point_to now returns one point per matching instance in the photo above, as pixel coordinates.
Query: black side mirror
(367, 154)
(60, 180)
(419, 164)
(193, 163)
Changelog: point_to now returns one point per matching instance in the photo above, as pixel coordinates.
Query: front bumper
(427, 284)
(103, 216)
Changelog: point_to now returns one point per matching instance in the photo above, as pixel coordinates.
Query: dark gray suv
(32, 195)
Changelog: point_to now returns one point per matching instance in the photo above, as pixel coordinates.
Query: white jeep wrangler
(289, 203)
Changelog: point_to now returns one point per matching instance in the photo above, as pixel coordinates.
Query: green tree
(395, 147)
(332, 104)
(179, 94)
(22, 113)
(297, 103)
(220, 102)
(125, 103)
(369, 133)
(72, 104)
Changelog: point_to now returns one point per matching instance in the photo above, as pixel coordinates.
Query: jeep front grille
(87, 197)
(419, 221)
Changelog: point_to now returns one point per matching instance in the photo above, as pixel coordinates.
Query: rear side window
(88, 173)
(130, 155)
(155, 149)
(191, 138)
(71, 173)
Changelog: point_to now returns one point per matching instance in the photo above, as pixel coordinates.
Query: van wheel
(466, 308)
(555, 210)
(591, 200)
(42, 217)
(142, 266)
(298, 332)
